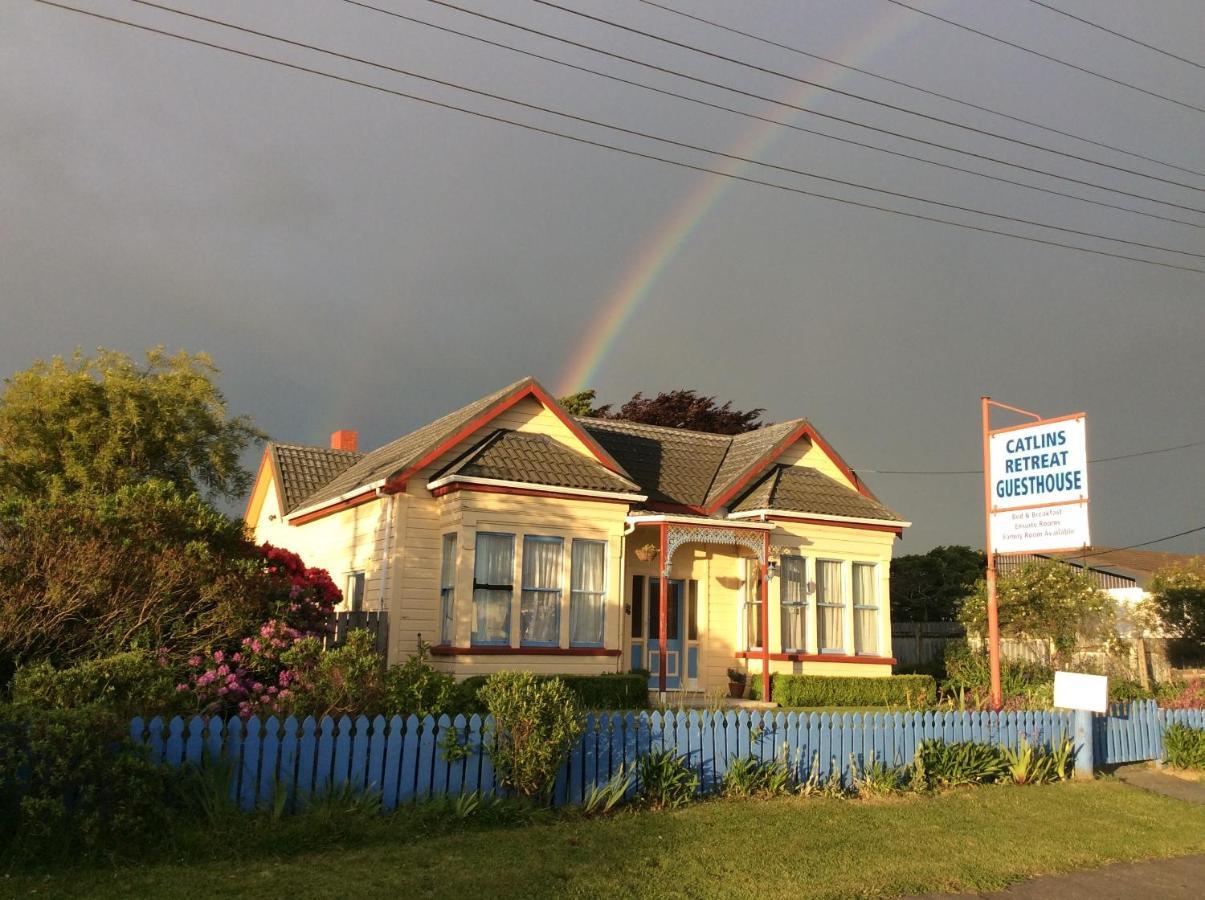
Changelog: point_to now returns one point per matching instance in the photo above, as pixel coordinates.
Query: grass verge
(973, 839)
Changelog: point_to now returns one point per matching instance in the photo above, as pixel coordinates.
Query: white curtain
(447, 590)
(866, 610)
(793, 599)
(753, 605)
(829, 605)
(587, 600)
(539, 615)
(494, 569)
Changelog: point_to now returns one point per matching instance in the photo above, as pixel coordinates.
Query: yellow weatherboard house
(511, 535)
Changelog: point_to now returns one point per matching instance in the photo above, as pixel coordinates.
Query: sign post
(1035, 498)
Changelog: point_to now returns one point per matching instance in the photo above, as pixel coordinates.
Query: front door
(672, 644)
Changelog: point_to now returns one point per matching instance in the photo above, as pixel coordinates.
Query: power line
(914, 87)
(1047, 57)
(756, 117)
(856, 96)
(603, 145)
(1124, 37)
(812, 112)
(1136, 546)
(1098, 459)
(649, 136)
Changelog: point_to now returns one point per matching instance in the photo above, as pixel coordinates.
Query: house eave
(789, 514)
(448, 480)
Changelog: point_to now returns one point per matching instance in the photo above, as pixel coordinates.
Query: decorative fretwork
(677, 535)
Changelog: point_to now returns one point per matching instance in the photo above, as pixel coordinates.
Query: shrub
(665, 780)
(349, 680)
(1023, 685)
(611, 690)
(1036, 764)
(876, 779)
(748, 776)
(1178, 598)
(1186, 695)
(127, 684)
(939, 764)
(1184, 747)
(536, 722)
(822, 690)
(71, 781)
(416, 688)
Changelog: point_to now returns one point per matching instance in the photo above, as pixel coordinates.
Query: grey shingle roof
(671, 465)
(302, 470)
(806, 490)
(538, 460)
(745, 451)
(399, 454)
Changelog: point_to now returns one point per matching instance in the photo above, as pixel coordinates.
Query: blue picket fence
(407, 759)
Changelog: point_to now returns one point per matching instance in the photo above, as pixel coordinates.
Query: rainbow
(672, 234)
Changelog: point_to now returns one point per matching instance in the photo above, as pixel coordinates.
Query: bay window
(830, 607)
(493, 587)
(447, 591)
(793, 599)
(540, 606)
(587, 593)
(866, 610)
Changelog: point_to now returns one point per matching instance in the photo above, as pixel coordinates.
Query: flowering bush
(252, 681)
(1190, 695)
(302, 596)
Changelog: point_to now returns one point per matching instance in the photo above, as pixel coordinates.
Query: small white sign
(1074, 690)
(1062, 527)
(1039, 464)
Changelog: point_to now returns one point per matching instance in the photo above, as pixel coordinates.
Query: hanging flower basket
(647, 552)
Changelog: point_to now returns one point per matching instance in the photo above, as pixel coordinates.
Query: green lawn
(971, 839)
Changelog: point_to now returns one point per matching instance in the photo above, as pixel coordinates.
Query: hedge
(824, 690)
(611, 690)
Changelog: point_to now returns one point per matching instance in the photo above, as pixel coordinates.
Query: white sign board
(1073, 690)
(1039, 464)
(1063, 527)
(1038, 481)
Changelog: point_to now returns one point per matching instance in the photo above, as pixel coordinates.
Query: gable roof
(803, 489)
(747, 451)
(671, 465)
(536, 459)
(399, 459)
(302, 470)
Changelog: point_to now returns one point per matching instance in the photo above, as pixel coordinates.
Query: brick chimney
(343, 439)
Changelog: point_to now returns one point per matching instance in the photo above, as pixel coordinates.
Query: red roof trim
(758, 466)
(397, 482)
(358, 500)
(832, 454)
(521, 492)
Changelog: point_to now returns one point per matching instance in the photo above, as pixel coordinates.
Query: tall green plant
(536, 722)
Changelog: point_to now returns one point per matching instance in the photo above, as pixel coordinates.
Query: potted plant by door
(736, 683)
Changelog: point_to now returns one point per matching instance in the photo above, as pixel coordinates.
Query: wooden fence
(340, 623)
(408, 759)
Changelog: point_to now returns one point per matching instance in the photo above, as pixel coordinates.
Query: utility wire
(649, 136)
(856, 96)
(1047, 57)
(600, 144)
(803, 109)
(754, 116)
(1098, 459)
(927, 91)
(1124, 37)
(1134, 546)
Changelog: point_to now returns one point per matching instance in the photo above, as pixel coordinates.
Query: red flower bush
(303, 596)
(1190, 696)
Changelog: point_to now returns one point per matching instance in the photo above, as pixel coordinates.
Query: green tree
(579, 404)
(1046, 601)
(85, 575)
(1178, 599)
(927, 587)
(103, 422)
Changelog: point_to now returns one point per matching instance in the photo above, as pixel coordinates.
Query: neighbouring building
(511, 535)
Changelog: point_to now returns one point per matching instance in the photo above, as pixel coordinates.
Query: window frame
(475, 640)
(840, 605)
(601, 594)
(559, 590)
(876, 606)
(447, 591)
(753, 600)
(358, 578)
(784, 604)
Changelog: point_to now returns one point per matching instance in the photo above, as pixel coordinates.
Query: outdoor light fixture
(771, 570)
